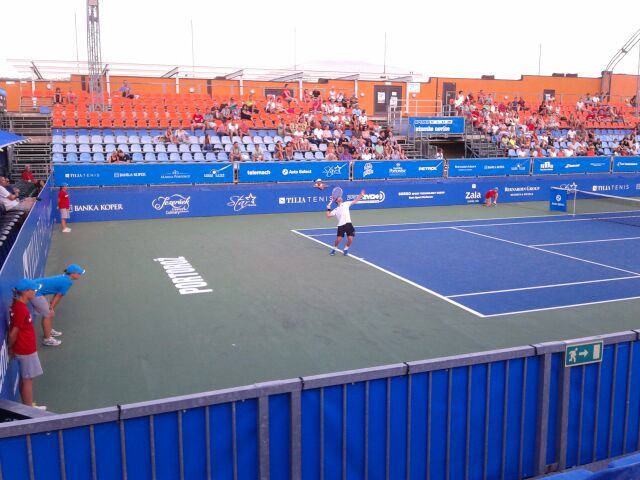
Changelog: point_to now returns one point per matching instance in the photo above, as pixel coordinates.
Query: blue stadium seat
(56, 139)
(271, 147)
(257, 139)
(131, 131)
(245, 157)
(98, 157)
(277, 139)
(298, 156)
(97, 148)
(149, 157)
(121, 139)
(70, 139)
(146, 139)
(183, 148)
(109, 147)
(319, 156)
(57, 158)
(57, 148)
(198, 157)
(272, 133)
(287, 139)
(124, 147)
(161, 148)
(225, 140)
(210, 157)
(162, 157)
(216, 140)
(84, 157)
(96, 138)
(267, 140)
(222, 157)
(267, 156)
(84, 148)
(72, 157)
(107, 132)
(235, 139)
(137, 157)
(193, 139)
(147, 148)
(195, 148)
(187, 157)
(83, 138)
(109, 139)
(134, 139)
(136, 148)
(247, 139)
(82, 131)
(309, 156)
(174, 157)
(172, 148)
(251, 148)
(322, 147)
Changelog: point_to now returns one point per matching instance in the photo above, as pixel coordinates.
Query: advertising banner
(142, 174)
(437, 125)
(626, 164)
(292, 171)
(558, 199)
(393, 169)
(486, 167)
(567, 166)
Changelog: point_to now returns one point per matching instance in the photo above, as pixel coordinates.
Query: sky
(456, 39)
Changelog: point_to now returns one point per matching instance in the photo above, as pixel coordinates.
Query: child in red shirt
(63, 206)
(22, 338)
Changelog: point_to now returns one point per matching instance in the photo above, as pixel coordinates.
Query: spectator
(258, 153)
(123, 157)
(57, 96)
(197, 121)
(181, 136)
(206, 143)
(125, 90)
(210, 118)
(27, 177)
(287, 96)
(440, 152)
(233, 128)
(235, 155)
(21, 339)
(11, 200)
(288, 152)
(71, 97)
(113, 158)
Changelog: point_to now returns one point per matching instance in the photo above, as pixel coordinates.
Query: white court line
(360, 232)
(394, 275)
(541, 286)
(585, 241)
(560, 218)
(547, 251)
(558, 307)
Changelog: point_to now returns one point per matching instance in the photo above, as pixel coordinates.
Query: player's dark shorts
(347, 229)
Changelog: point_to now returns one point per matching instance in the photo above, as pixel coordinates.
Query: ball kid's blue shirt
(53, 285)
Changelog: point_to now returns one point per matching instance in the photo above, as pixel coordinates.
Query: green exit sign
(583, 353)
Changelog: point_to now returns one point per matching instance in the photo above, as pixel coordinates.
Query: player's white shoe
(66, 230)
(55, 333)
(51, 342)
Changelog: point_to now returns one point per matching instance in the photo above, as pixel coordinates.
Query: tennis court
(281, 307)
(508, 266)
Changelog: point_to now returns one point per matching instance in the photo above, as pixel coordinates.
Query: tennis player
(345, 227)
(491, 197)
(320, 185)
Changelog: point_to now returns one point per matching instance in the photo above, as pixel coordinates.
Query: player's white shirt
(342, 213)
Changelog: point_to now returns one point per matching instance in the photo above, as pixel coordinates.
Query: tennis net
(608, 208)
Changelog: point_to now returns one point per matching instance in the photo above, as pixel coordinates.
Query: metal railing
(511, 413)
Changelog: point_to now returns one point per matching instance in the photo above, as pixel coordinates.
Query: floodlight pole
(94, 57)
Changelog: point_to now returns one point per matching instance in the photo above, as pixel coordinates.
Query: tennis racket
(336, 193)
